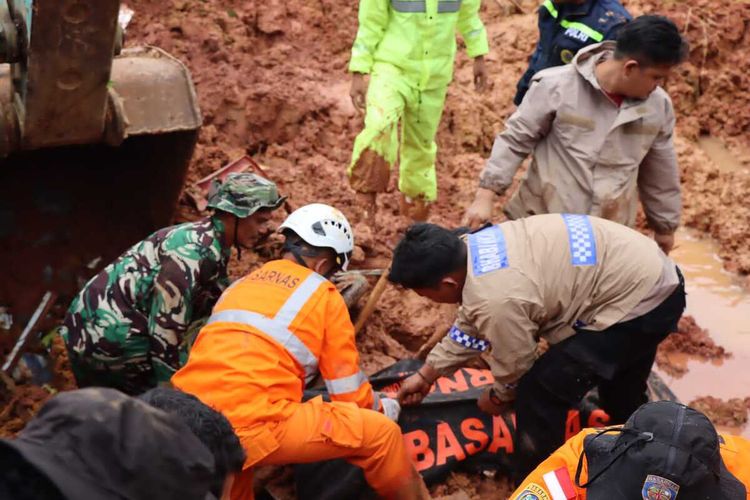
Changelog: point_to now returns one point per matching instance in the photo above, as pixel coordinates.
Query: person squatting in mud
(600, 133)
(274, 331)
(126, 328)
(603, 295)
(664, 451)
(408, 49)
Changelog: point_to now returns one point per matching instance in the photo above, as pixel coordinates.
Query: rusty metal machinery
(94, 144)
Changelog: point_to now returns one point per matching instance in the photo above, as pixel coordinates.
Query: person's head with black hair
(431, 260)
(211, 427)
(646, 51)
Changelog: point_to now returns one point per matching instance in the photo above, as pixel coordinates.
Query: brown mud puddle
(719, 304)
(722, 156)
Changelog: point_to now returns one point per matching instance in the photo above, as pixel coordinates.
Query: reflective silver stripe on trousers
(278, 326)
(344, 385)
(449, 6)
(375, 401)
(408, 5)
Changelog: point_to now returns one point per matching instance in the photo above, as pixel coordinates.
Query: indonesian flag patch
(559, 484)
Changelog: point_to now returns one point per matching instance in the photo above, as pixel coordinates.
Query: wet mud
(271, 80)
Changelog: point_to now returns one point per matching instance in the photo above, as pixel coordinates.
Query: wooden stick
(372, 301)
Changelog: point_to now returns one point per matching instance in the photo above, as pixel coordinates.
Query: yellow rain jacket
(418, 37)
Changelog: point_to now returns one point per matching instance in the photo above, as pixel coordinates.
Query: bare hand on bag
(480, 211)
(415, 388)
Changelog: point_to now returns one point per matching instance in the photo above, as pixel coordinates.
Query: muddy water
(725, 159)
(720, 305)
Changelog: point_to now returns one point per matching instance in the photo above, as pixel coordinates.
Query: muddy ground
(272, 82)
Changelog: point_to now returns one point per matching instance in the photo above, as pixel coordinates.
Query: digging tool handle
(372, 301)
(23, 340)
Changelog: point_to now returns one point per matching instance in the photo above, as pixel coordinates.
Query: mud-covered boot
(369, 177)
(417, 209)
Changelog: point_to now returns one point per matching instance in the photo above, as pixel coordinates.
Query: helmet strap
(298, 251)
(236, 227)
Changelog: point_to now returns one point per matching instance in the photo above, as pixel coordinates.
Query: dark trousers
(617, 361)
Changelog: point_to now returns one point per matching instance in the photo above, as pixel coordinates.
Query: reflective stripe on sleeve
(345, 385)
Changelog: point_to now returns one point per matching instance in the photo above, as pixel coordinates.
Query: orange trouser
(324, 431)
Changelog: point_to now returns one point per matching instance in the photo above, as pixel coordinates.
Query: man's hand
(665, 241)
(480, 211)
(489, 403)
(480, 74)
(358, 92)
(415, 388)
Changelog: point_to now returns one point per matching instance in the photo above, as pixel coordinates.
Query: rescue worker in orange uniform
(664, 451)
(269, 335)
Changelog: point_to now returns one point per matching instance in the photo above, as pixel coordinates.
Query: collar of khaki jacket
(588, 58)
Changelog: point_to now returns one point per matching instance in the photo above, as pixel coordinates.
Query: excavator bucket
(94, 145)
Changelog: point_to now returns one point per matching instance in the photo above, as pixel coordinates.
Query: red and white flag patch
(559, 484)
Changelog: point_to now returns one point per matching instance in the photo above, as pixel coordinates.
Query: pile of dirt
(21, 401)
(463, 487)
(731, 413)
(689, 339)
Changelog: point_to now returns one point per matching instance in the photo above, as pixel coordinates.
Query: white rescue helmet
(323, 226)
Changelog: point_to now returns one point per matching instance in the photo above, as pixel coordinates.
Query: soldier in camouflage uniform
(125, 328)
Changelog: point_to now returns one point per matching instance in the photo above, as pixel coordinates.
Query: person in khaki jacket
(601, 294)
(600, 131)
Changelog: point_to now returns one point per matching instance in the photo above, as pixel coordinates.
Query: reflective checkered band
(467, 340)
(581, 239)
(488, 252)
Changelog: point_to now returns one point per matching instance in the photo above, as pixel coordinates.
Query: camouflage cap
(243, 194)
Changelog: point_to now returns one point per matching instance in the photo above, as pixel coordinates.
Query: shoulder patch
(659, 488)
(488, 251)
(533, 491)
(581, 239)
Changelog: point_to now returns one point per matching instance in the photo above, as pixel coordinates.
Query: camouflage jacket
(133, 315)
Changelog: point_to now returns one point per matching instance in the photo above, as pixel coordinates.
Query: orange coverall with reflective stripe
(735, 452)
(269, 334)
